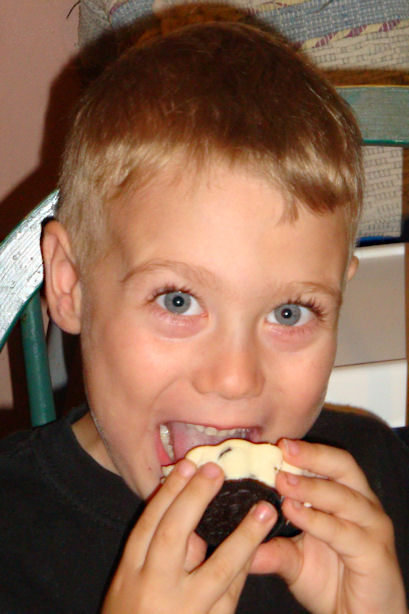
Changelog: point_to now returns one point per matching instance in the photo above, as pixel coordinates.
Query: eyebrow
(195, 273)
(316, 288)
(202, 276)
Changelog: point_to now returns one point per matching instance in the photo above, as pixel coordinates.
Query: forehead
(227, 217)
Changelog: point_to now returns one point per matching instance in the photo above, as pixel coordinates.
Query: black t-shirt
(64, 519)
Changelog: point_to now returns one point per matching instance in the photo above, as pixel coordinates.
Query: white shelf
(371, 364)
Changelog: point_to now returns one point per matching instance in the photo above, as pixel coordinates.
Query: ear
(62, 287)
(352, 268)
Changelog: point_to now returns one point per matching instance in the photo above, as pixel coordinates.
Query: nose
(231, 369)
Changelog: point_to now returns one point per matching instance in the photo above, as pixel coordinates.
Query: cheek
(128, 364)
(304, 376)
(301, 394)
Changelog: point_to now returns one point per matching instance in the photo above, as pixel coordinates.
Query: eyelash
(311, 303)
(167, 288)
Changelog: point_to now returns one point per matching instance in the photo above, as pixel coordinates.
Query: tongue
(184, 438)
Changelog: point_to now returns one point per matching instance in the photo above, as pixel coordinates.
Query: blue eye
(179, 303)
(290, 315)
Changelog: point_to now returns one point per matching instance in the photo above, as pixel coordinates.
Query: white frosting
(240, 459)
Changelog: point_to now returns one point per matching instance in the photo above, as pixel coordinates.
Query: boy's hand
(162, 569)
(345, 561)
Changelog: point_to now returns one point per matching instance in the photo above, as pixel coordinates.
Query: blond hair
(222, 90)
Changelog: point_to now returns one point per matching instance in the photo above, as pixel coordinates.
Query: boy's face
(209, 318)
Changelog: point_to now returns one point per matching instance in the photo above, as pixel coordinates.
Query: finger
(333, 498)
(235, 554)
(227, 604)
(348, 539)
(141, 535)
(182, 517)
(334, 463)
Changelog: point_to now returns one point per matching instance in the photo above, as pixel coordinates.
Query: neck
(90, 440)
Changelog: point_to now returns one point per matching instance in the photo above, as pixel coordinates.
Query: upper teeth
(213, 431)
(165, 438)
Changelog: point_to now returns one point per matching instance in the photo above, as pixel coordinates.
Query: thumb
(281, 556)
(195, 553)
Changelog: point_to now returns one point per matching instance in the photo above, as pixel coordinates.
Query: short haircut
(223, 91)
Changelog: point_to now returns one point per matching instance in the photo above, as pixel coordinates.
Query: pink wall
(37, 41)
(38, 84)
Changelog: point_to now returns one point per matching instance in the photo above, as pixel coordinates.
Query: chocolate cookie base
(228, 508)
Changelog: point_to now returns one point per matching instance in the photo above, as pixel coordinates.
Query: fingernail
(292, 447)
(185, 468)
(263, 511)
(211, 470)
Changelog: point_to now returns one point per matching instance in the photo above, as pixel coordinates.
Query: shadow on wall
(19, 417)
(64, 93)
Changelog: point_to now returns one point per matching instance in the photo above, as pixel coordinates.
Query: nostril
(231, 377)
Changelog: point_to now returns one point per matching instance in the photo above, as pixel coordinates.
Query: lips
(178, 438)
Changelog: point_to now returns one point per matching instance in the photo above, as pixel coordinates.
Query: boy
(210, 194)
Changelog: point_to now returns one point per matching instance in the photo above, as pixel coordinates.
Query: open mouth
(178, 438)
